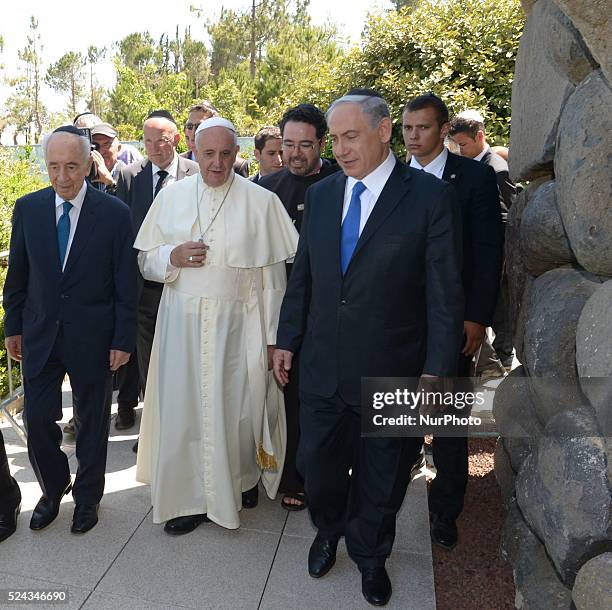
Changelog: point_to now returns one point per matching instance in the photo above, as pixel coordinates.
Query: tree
(96, 94)
(462, 50)
(66, 76)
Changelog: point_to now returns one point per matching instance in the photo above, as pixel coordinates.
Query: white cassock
(213, 421)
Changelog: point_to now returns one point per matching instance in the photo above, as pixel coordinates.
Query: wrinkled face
(193, 121)
(358, 145)
(423, 137)
(67, 165)
(468, 146)
(216, 152)
(270, 157)
(160, 140)
(301, 149)
(109, 149)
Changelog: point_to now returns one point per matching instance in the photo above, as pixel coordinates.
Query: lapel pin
(453, 176)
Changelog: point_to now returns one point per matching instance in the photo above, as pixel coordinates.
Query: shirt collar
(172, 169)
(77, 202)
(435, 165)
(375, 181)
(483, 153)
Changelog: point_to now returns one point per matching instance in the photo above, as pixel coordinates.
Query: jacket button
(343, 302)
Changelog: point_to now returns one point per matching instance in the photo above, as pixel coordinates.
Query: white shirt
(75, 211)
(374, 182)
(485, 150)
(435, 166)
(172, 170)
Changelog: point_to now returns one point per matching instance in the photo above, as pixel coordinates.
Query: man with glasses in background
(200, 112)
(303, 132)
(138, 184)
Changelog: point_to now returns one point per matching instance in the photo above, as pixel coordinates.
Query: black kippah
(75, 131)
(364, 91)
(163, 114)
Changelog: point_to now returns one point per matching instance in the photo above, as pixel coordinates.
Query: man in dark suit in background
(137, 185)
(467, 131)
(375, 291)
(10, 496)
(425, 126)
(70, 303)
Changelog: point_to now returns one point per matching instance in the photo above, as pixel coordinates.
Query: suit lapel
(336, 197)
(145, 186)
(48, 228)
(451, 169)
(395, 189)
(180, 170)
(85, 225)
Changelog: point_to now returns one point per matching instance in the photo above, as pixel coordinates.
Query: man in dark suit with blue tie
(375, 291)
(70, 305)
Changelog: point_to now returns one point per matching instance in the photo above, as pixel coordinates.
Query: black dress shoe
(443, 532)
(376, 586)
(250, 498)
(84, 518)
(47, 509)
(69, 427)
(8, 522)
(322, 556)
(184, 525)
(125, 419)
(135, 447)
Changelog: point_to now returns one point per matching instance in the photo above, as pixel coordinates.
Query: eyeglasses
(158, 142)
(302, 146)
(190, 126)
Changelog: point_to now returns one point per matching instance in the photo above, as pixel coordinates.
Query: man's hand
(118, 358)
(189, 254)
(271, 349)
(474, 336)
(13, 347)
(102, 173)
(281, 360)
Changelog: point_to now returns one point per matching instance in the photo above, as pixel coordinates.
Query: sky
(69, 25)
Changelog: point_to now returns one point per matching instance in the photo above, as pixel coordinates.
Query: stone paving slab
(21, 582)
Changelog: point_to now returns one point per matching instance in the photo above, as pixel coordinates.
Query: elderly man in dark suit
(375, 291)
(70, 305)
(425, 126)
(138, 184)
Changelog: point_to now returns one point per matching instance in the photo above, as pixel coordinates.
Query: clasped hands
(189, 254)
(116, 358)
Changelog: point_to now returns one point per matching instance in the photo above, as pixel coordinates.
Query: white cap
(215, 121)
(471, 115)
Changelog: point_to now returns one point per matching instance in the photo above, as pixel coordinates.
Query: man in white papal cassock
(213, 420)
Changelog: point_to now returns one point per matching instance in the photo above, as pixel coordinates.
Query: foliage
(462, 50)
(66, 76)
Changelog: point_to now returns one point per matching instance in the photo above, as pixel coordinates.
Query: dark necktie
(162, 173)
(63, 231)
(350, 227)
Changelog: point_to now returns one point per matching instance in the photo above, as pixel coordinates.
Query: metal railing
(15, 393)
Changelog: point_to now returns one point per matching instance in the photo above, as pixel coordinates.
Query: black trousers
(43, 409)
(362, 505)
(10, 496)
(450, 456)
(147, 317)
(291, 480)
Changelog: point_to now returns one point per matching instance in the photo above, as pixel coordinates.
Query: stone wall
(554, 458)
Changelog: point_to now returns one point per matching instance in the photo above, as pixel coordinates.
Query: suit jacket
(135, 186)
(478, 199)
(507, 188)
(93, 301)
(398, 310)
(255, 178)
(241, 166)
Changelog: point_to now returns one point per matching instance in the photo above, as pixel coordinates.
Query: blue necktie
(350, 227)
(63, 231)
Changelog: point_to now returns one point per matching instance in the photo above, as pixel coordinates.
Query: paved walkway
(128, 562)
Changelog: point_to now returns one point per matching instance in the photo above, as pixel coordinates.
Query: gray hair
(235, 137)
(375, 108)
(83, 141)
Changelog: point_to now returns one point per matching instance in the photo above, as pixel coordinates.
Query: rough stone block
(593, 587)
(538, 96)
(594, 354)
(504, 473)
(566, 49)
(592, 19)
(536, 582)
(528, 6)
(551, 314)
(565, 494)
(584, 173)
(544, 242)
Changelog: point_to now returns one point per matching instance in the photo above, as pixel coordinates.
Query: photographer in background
(105, 156)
